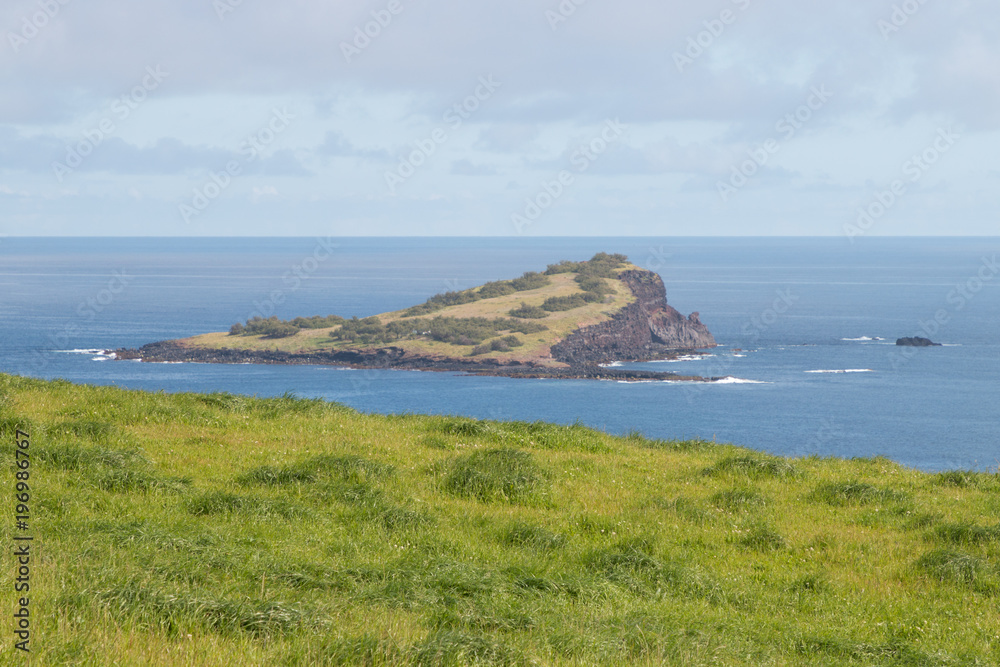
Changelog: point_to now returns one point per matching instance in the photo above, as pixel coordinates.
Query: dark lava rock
(917, 341)
(645, 329)
(388, 358)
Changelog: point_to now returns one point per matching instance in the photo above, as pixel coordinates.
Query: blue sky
(520, 117)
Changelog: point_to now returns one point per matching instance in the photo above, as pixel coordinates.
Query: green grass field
(218, 529)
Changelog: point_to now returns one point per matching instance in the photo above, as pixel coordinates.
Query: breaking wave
(846, 370)
(733, 380)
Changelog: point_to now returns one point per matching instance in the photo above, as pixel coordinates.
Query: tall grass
(496, 475)
(221, 529)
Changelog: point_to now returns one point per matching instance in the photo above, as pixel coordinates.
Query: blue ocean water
(782, 309)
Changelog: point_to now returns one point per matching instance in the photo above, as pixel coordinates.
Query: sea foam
(846, 370)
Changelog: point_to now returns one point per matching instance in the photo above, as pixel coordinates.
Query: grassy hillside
(217, 529)
(493, 301)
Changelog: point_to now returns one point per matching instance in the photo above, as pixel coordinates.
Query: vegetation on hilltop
(456, 331)
(601, 265)
(526, 312)
(272, 327)
(529, 281)
(222, 529)
(504, 344)
(557, 303)
(589, 286)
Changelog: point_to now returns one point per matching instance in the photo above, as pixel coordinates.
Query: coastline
(643, 327)
(394, 358)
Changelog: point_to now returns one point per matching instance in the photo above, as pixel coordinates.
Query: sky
(499, 118)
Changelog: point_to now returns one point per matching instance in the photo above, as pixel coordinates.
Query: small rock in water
(917, 341)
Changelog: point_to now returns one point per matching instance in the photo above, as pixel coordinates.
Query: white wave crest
(683, 357)
(726, 380)
(846, 370)
(95, 354)
(647, 381)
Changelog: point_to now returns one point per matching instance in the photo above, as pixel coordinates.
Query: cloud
(940, 66)
(95, 153)
(166, 156)
(284, 162)
(606, 56)
(335, 144)
(962, 83)
(507, 137)
(41, 154)
(34, 154)
(10, 192)
(467, 168)
(265, 192)
(665, 156)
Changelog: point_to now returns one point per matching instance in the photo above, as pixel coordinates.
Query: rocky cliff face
(646, 329)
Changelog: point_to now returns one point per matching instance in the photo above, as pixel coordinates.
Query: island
(574, 320)
(916, 341)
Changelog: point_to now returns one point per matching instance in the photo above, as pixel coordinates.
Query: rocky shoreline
(388, 358)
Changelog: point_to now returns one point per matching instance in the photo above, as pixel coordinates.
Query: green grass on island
(218, 529)
(515, 320)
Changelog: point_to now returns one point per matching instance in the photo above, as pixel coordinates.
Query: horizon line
(488, 236)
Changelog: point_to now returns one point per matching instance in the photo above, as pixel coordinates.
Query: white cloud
(265, 192)
(607, 60)
(468, 168)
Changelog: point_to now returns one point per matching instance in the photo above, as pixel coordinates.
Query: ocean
(806, 328)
